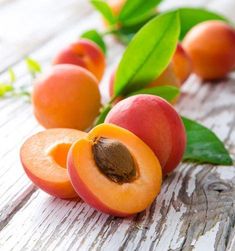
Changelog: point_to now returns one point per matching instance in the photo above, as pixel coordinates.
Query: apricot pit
(114, 160)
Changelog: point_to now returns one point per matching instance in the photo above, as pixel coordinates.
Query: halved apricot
(43, 157)
(114, 171)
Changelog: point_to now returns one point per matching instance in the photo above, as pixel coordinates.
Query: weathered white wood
(195, 209)
(26, 25)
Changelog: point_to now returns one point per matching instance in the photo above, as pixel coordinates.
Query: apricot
(168, 77)
(67, 96)
(211, 47)
(154, 121)
(182, 64)
(84, 53)
(114, 171)
(43, 157)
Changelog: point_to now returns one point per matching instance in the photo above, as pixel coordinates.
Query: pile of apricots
(116, 167)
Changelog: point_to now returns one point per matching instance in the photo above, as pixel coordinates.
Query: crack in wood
(23, 202)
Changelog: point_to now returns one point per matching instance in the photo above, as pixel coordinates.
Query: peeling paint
(207, 241)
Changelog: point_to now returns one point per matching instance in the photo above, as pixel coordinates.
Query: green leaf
(94, 36)
(105, 10)
(166, 92)
(5, 88)
(33, 66)
(11, 75)
(127, 32)
(103, 114)
(189, 17)
(203, 145)
(148, 54)
(133, 11)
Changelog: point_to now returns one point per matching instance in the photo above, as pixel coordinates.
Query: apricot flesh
(154, 121)
(67, 96)
(110, 196)
(211, 47)
(83, 53)
(44, 157)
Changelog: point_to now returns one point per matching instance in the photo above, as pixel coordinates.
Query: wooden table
(195, 210)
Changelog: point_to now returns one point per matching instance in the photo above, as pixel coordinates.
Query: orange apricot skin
(67, 96)
(211, 47)
(98, 199)
(84, 53)
(45, 174)
(168, 77)
(182, 64)
(154, 121)
(116, 6)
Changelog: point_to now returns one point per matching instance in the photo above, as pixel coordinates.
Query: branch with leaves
(203, 145)
(8, 89)
(135, 14)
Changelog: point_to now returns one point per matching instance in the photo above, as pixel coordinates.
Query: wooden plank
(194, 210)
(33, 23)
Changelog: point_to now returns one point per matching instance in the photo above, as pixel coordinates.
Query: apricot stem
(114, 160)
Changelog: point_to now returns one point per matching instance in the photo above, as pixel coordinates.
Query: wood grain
(195, 210)
(26, 25)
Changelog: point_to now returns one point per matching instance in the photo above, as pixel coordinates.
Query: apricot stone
(114, 160)
(114, 171)
(84, 53)
(67, 96)
(154, 121)
(44, 157)
(211, 47)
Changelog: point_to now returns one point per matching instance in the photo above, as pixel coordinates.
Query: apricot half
(114, 171)
(43, 157)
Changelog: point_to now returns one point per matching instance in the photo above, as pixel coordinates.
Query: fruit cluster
(116, 167)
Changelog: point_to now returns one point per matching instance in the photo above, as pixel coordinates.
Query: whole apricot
(84, 53)
(211, 47)
(182, 64)
(154, 121)
(67, 96)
